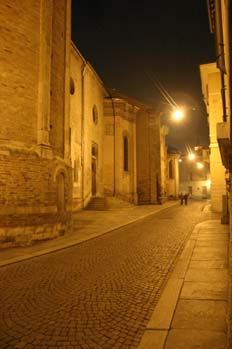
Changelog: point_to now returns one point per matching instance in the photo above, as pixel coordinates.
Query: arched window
(170, 169)
(72, 86)
(95, 115)
(60, 192)
(125, 153)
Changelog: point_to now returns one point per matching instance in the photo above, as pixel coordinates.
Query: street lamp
(177, 114)
(200, 165)
(191, 156)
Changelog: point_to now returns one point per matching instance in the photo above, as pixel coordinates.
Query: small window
(95, 115)
(72, 86)
(75, 172)
(94, 150)
(125, 153)
(170, 169)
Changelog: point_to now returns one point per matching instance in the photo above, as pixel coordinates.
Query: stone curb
(159, 326)
(157, 329)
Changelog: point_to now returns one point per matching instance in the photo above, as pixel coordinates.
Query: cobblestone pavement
(98, 294)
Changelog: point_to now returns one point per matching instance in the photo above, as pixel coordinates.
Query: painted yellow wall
(211, 88)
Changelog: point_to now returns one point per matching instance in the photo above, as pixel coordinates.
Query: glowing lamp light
(200, 165)
(180, 160)
(208, 183)
(191, 156)
(178, 114)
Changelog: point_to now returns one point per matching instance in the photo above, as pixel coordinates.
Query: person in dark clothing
(185, 199)
(181, 198)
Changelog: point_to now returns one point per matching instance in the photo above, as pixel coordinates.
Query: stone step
(97, 204)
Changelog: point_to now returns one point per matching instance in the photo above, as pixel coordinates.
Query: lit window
(170, 169)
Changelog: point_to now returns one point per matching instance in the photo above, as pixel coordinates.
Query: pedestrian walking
(185, 199)
(181, 196)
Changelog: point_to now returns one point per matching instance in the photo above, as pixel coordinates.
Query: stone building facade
(195, 177)
(86, 124)
(65, 138)
(211, 90)
(173, 190)
(35, 171)
(220, 24)
(135, 153)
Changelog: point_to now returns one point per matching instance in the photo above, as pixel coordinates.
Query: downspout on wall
(220, 58)
(114, 135)
(230, 72)
(82, 132)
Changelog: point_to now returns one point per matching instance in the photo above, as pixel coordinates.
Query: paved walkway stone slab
(214, 237)
(195, 339)
(211, 243)
(201, 314)
(220, 264)
(204, 290)
(212, 275)
(207, 254)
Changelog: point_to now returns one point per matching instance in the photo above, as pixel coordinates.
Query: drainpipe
(230, 76)
(230, 68)
(114, 135)
(82, 131)
(220, 54)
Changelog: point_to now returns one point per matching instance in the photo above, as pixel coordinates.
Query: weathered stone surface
(211, 275)
(204, 290)
(30, 102)
(195, 339)
(201, 314)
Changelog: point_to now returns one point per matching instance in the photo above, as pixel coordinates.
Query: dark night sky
(128, 41)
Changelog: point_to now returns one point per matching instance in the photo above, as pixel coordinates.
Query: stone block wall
(28, 198)
(19, 48)
(86, 116)
(35, 171)
(57, 77)
(148, 157)
(119, 121)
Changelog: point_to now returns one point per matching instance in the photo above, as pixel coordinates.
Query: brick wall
(148, 157)
(57, 77)
(19, 45)
(29, 201)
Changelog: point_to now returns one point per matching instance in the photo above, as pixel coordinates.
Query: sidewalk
(86, 225)
(192, 310)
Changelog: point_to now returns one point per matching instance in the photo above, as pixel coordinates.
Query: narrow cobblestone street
(97, 294)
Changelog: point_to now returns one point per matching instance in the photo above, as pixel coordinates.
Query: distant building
(118, 145)
(195, 174)
(135, 153)
(173, 190)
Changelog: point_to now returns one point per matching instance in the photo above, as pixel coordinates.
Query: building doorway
(60, 193)
(204, 192)
(94, 169)
(94, 177)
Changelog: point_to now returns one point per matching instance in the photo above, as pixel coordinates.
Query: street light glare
(191, 156)
(200, 165)
(178, 114)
